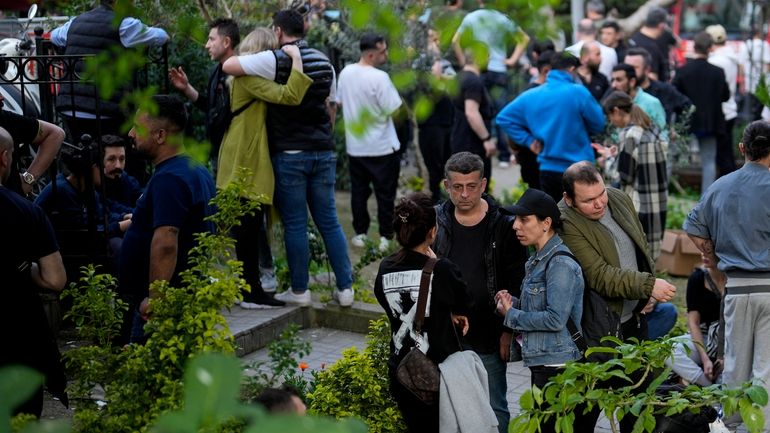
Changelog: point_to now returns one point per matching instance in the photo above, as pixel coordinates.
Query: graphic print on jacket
(401, 290)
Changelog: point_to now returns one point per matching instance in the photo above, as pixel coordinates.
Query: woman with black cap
(551, 296)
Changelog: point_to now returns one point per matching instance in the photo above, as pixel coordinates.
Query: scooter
(18, 77)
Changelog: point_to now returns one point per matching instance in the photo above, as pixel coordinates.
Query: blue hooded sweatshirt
(561, 114)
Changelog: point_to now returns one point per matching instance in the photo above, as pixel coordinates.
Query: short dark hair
(291, 22)
(564, 60)
(541, 46)
(702, 43)
(641, 52)
(228, 28)
(628, 69)
(171, 109)
(544, 59)
(595, 6)
(111, 140)
(464, 163)
(413, 218)
(277, 399)
(370, 40)
(609, 24)
(756, 140)
(583, 172)
(655, 17)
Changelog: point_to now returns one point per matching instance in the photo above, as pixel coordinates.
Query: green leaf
(758, 394)
(526, 401)
(47, 427)
(17, 384)
(752, 417)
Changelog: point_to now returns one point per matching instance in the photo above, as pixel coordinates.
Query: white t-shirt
(609, 57)
(755, 56)
(726, 58)
(368, 99)
(493, 29)
(262, 64)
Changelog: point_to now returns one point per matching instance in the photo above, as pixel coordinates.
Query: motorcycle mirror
(32, 13)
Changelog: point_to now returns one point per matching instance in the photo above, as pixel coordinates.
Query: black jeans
(247, 248)
(499, 90)
(380, 172)
(436, 147)
(725, 154)
(530, 168)
(584, 423)
(550, 183)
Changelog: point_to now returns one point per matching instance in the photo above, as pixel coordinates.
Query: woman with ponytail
(640, 166)
(397, 287)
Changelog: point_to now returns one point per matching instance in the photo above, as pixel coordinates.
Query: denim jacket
(547, 301)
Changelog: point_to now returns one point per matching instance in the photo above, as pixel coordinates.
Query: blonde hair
(260, 39)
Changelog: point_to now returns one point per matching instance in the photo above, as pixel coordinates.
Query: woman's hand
(504, 302)
(291, 50)
(431, 254)
(462, 322)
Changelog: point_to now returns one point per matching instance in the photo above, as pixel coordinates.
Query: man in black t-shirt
(29, 131)
(647, 37)
(473, 115)
(475, 236)
(29, 260)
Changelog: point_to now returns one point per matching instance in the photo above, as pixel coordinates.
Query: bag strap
(241, 109)
(577, 336)
(422, 298)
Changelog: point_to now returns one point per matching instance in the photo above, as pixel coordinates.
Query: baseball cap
(717, 33)
(534, 202)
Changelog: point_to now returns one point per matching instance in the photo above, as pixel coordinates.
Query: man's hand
(144, 309)
(462, 322)
(178, 78)
(25, 187)
(291, 50)
(490, 147)
(128, 216)
(536, 146)
(708, 369)
(650, 306)
(505, 346)
(124, 225)
(663, 291)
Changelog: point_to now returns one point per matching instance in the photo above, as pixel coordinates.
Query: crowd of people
(592, 132)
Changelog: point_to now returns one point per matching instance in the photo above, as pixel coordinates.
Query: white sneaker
(343, 297)
(267, 279)
(291, 297)
(504, 164)
(384, 244)
(359, 240)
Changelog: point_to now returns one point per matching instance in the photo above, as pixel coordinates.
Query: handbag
(416, 372)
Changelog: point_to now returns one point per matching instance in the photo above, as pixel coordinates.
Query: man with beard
(121, 189)
(167, 216)
(624, 80)
(588, 71)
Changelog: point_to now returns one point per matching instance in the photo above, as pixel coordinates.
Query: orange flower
(303, 366)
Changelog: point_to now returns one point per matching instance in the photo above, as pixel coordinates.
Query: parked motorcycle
(17, 78)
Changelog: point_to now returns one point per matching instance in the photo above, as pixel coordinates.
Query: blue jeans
(498, 388)
(306, 180)
(661, 320)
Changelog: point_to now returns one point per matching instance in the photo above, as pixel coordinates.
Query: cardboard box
(678, 254)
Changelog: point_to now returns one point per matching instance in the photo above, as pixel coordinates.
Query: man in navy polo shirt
(169, 213)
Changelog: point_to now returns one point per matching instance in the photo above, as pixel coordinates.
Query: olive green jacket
(245, 142)
(597, 254)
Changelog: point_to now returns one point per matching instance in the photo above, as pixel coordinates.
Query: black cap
(534, 202)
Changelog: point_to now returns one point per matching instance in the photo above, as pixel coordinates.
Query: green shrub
(358, 385)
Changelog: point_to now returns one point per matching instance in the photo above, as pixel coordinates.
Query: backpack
(598, 320)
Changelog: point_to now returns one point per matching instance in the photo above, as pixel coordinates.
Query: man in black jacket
(223, 37)
(706, 86)
(476, 237)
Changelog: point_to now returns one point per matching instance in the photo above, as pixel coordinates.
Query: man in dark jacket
(706, 86)
(476, 237)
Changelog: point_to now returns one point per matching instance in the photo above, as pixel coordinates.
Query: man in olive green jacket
(602, 229)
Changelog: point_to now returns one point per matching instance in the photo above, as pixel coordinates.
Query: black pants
(499, 90)
(380, 172)
(725, 155)
(530, 169)
(550, 183)
(247, 247)
(584, 423)
(436, 147)
(418, 416)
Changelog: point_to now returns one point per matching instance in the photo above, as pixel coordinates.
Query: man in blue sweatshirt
(555, 120)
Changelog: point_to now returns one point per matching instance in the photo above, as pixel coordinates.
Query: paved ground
(328, 344)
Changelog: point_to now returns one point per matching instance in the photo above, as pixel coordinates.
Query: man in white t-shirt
(755, 57)
(369, 99)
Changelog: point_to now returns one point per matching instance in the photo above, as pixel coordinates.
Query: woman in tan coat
(245, 145)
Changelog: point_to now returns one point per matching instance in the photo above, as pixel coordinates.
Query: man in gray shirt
(733, 220)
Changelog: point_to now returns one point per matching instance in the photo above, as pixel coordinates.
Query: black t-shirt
(463, 137)
(701, 299)
(658, 57)
(597, 86)
(468, 252)
(27, 237)
(397, 286)
(23, 130)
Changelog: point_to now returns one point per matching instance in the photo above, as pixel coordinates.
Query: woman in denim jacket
(548, 299)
